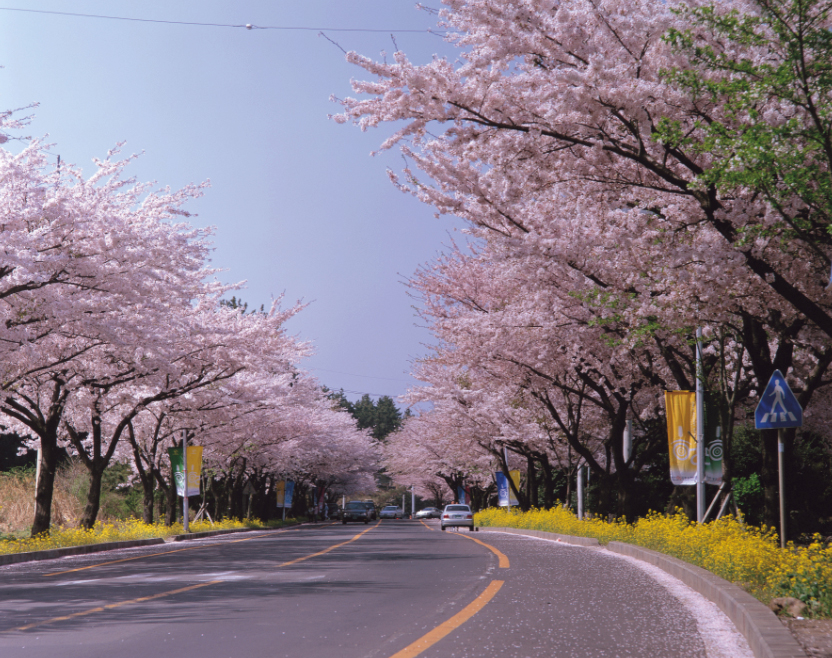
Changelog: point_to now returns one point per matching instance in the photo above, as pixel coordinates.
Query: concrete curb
(53, 553)
(589, 542)
(766, 635)
(214, 533)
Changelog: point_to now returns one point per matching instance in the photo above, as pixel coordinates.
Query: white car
(457, 516)
(391, 512)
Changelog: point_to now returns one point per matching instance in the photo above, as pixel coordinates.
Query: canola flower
(747, 556)
(111, 531)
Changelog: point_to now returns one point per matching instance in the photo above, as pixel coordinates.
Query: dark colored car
(372, 507)
(356, 510)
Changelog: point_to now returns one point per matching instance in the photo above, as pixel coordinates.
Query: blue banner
(290, 490)
(502, 489)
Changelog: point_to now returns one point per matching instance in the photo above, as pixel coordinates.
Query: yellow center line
(426, 525)
(432, 637)
(327, 550)
(140, 557)
(111, 606)
(503, 559)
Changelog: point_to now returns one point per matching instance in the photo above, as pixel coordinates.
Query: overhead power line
(244, 26)
(352, 374)
(372, 395)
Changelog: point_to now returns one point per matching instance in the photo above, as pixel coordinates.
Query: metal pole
(412, 501)
(700, 432)
(38, 464)
(628, 440)
(580, 493)
(185, 491)
(782, 482)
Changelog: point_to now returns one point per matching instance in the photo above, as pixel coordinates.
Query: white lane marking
(719, 634)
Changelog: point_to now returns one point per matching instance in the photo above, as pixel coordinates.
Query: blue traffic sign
(778, 407)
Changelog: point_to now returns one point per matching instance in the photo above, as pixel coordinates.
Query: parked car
(457, 516)
(391, 512)
(429, 513)
(357, 510)
(371, 506)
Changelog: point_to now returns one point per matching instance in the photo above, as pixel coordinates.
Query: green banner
(194, 469)
(713, 442)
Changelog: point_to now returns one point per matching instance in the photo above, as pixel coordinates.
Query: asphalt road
(398, 588)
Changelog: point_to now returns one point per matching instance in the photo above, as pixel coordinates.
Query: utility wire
(373, 395)
(352, 374)
(247, 26)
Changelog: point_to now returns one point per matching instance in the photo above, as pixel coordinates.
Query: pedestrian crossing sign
(778, 407)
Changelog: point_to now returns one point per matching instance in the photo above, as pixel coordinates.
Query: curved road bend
(399, 588)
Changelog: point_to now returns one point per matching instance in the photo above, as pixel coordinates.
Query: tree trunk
(149, 489)
(170, 512)
(625, 494)
(93, 499)
(548, 483)
(569, 474)
(46, 486)
(531, 482)
(44, 424)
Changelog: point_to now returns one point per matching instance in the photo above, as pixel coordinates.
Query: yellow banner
(681, 436)
(280, 488)
(194, 469)
(515, 477)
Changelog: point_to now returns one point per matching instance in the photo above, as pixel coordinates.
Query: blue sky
(298, 204)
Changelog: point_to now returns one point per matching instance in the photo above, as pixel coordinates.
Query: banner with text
(194, 469)
(502, 488)
(681, 435)
(505, 495)
(515, 477)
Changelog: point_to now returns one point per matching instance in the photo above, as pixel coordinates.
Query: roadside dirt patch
(814, 635)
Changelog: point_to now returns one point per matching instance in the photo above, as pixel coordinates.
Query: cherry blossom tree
(549, 135)
(88, 262)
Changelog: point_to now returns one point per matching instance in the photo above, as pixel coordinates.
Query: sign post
(779, 409)
(700, 431)
(185, 469)
(285, 489)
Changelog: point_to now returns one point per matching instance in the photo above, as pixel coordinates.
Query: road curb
(765, 634)
(589, 542)
(213, 533)
(53, 553)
